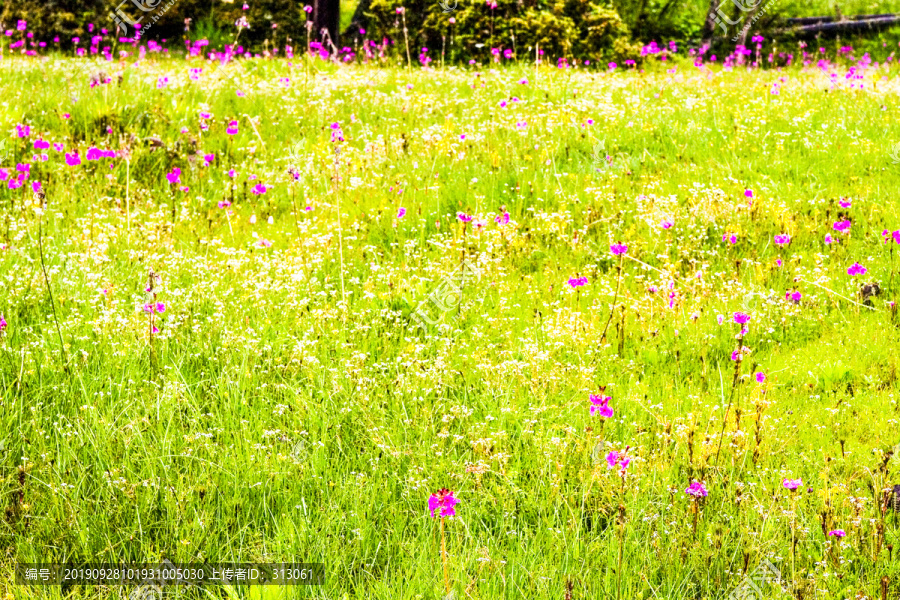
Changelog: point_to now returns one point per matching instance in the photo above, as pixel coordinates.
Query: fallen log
(843, 26)
(814, 20)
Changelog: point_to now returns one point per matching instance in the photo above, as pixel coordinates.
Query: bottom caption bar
(166, 573)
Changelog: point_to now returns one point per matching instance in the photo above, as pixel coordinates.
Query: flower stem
(734, 383)
(444, 559)
(62, 346)
(615, 299)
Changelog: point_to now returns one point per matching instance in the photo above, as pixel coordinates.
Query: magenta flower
(162, 82)
(224, 203)
(856, 269)
(3, 323)
(793, 297)
(828, 238)
(842, 226)
(443, 502)
(741, 318)
(175, 176)
(208, 159)
(837, 533)
(58, 147)
(264, 243)
(154, 307)
(577, 281)
(845, 203)
(618, 249)
(792, 484)
(504, 219)
(782, 239)
(41, 145)
(601, 403)
(736, 355)
(748, 193)
(35, 186)
(463, 217)
(232, 128)
(760, 377)
(337, 135)
(696, 490)
(401, 213)
(618, 459)
(73, 159)
(666, 224)
(231, 173)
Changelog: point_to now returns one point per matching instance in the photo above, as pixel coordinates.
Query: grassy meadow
(281, 400)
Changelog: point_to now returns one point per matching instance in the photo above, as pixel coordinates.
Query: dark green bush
(209, 20)
(580, 28)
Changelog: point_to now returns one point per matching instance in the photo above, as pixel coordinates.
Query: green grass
(190, 449)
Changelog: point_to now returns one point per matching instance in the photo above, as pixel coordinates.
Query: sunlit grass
(290, 409)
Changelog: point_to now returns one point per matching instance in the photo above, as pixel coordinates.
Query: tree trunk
(327, 16)
(708, 27)
(360, 20)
